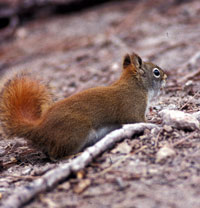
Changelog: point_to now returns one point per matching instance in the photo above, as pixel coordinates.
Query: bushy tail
(23, 102)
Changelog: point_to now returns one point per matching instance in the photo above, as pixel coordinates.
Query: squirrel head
(148, 75)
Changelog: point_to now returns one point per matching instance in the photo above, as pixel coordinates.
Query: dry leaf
(64, 186)
(80, 174)
(80, 187)
(122, 148)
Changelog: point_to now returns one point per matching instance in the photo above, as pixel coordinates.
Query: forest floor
(84, 49)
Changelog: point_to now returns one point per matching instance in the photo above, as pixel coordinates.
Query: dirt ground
(75, 51)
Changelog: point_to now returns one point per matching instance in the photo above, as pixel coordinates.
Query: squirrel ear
(126, 60)
(132, 59)
(136, 60)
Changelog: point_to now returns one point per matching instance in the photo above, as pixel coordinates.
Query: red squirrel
(68, 126)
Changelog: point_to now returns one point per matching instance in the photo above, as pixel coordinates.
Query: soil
(75, 51)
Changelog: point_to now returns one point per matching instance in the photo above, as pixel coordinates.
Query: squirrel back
(68, 126)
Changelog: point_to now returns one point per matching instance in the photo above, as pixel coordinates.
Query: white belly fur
(95, 135)
(151, 95)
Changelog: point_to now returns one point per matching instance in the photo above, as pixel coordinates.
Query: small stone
(115, 67)
(153, 171)
(121, 183)
(157, 107)
(164, 153)
(81, 186)
(21, 33)
(27, 171)
(13, 159)
(167, 128)
(64, 186)
(189, 83)
(179, 120)
(171, 107)
(123, 148)
(80, 174)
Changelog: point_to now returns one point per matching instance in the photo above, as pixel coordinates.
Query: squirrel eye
(156, 72)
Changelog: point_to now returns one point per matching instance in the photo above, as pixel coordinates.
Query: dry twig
(189, 76)
(190, 136)
(110, 168)
(22, 195)
(189, 100)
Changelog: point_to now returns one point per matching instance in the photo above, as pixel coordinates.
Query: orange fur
(23, 102)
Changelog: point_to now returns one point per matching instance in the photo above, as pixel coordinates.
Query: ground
(75, 51)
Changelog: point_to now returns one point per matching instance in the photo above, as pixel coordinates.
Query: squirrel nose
(163, 81)
(163, 84)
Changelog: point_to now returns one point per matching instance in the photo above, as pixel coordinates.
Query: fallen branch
(190, 136)
(24, 194)
(189, 100)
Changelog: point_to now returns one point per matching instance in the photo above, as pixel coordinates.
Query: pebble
(21, 33)
(164, 153)
(167, 128)
(157, 107)
(27, 171)
(171, 107)
(115, 67)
